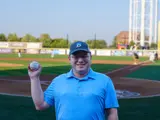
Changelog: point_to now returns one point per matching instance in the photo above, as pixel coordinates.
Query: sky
(80, 19)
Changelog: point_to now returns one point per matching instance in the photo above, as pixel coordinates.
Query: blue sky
(80, 19)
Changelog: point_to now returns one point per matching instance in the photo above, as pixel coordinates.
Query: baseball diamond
(131, 84)
(126, 87)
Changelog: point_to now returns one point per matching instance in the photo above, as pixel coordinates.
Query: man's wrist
(34, 78)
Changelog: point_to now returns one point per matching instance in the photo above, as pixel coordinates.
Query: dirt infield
(21, 85)
(4, 64)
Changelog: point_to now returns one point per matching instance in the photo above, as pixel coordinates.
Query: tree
(2, 37)
(90, 44)
(29, 38)
(97, 44)
(114, 43)
(12, 37)
(132, 43)
(153, 45)
(45, 39)
(101, 44)
(59, 43)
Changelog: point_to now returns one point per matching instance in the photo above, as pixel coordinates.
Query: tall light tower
(143, 22)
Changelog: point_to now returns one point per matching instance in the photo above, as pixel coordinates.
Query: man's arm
(36, 90)
(112, 114)
(111, 101)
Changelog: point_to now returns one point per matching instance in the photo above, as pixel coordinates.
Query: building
(123, 38)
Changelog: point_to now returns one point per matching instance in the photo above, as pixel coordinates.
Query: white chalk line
(132, 66)
(25, 81)
(156, 81)
(147, 96)
(139, 65)
(119, 69)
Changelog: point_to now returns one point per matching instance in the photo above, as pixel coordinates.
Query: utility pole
(95, 40)
(67, 41)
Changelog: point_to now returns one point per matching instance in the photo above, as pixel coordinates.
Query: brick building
(123, 37)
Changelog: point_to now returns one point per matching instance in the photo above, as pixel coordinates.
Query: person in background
(52, 54)
(156, 56)
(19, 53)
(135, 58)
(135, 55)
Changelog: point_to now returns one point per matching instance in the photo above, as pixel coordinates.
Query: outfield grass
(22, 108)
(54, 68)
(151, 72)
(121, 58)
(51, 67)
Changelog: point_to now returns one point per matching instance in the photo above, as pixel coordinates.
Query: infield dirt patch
(10, 65)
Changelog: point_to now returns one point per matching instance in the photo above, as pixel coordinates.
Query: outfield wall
(59, 51)
(36, 48)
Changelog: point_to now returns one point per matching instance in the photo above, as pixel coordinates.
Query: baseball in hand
(33, 66)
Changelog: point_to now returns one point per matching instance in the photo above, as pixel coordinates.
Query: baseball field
(143, 78)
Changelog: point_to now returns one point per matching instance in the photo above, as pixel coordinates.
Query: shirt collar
(91, 74)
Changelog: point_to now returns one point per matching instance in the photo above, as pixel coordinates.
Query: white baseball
(34, 65)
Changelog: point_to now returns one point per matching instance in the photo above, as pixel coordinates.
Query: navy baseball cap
(78, 46)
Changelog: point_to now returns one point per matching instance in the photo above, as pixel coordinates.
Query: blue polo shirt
(81, 98)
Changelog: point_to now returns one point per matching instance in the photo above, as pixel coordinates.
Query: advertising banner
(93, 52)
(3, 44)
(34, 45)
(3, 50)
(129, 53)
(148, 53)
(32, 51)
(103, 52)
(45, 51)
(140, 53)
(118, 53)
(17, 44)
(59, 51)
(68, 51)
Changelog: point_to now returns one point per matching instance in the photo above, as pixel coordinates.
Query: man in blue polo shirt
(80, 94)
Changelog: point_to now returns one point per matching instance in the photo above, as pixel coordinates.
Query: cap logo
(78, 45)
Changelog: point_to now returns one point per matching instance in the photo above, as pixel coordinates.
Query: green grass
(139, 109)
(151, 72)
(55, 69)
(121, 58)
(51, 67)
(22, 108)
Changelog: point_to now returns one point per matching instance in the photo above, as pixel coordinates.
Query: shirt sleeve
(49, 94)
(110, 97)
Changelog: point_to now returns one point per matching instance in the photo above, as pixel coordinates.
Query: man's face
(81, 62)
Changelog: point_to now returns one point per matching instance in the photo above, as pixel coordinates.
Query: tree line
(49, 42)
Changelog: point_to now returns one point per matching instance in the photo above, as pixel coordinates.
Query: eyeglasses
(77, 57)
